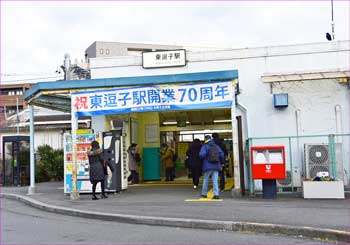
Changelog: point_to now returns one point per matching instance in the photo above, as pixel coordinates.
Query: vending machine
(114, 151)
(84, 139)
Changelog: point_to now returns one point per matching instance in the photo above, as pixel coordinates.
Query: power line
(25, 74)
(31, 79)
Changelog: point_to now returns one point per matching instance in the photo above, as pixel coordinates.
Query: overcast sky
(36, 35)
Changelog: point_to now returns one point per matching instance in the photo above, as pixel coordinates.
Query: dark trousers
(94, 184)
(222, 179)
(169, 174)
(134, 177)
(196, 173)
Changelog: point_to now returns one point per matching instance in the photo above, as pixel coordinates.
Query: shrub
(50, 164)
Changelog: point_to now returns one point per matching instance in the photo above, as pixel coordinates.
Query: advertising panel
(83, 177)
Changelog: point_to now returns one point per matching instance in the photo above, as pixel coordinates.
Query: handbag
(104, 166)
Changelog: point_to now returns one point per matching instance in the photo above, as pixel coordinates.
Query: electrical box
(280, 100)
(268, 162)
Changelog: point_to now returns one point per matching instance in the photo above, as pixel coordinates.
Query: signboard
(268, 162)
(153, 98)
(152, 135)
(171, 58)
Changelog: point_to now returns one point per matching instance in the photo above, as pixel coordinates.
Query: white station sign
(159, 59)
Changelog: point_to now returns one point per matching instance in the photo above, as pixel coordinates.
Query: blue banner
(153, 98)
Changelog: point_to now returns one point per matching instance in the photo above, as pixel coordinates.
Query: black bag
(175, 156)
(104, 165)
(187, 162)
(213, 154)
(137, 158)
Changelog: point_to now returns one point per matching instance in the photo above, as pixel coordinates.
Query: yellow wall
(147, 119)
(143, 119)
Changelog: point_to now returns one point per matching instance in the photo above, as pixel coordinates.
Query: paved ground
(172, 202)
(22, 224)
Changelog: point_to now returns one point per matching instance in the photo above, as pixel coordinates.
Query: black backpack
(213, 154)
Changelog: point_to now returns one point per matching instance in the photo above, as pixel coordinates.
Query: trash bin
(269, 188)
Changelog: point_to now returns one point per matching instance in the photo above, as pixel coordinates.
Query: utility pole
(17, 117)
(67, 68)
(332, 21)
(329, 36)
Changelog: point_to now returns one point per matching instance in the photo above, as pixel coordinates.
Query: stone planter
(323, 189)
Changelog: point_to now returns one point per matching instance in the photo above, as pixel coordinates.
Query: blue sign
(154, 98)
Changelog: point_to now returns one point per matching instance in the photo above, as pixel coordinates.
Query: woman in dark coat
(134, 161)
(97, 173)
(194, 162)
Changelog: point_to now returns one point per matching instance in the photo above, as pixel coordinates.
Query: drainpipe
(299, 133)
(338, 123)
(339, 139)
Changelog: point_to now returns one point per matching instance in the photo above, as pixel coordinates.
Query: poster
(152, 133)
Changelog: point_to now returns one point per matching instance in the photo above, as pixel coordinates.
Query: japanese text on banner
(153, 98)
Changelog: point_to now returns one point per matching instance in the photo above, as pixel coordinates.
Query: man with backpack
(220, 143)
(212, 157)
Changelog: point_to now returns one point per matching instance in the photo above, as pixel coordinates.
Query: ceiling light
(170, 123)
(223, 121)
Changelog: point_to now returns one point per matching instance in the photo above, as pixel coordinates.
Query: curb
(310, 232)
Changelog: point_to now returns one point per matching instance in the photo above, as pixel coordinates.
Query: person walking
(97, 169)
(220, 142)
(212, 157)
(134, 160)
(194, 161)
(167, 161)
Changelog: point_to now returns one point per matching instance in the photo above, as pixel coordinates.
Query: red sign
(268, 162)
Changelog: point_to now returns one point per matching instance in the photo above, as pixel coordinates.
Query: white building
(315, 77)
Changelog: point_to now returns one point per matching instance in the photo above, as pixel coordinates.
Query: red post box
(268, 162)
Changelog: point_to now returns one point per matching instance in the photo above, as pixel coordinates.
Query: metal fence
(306, 155)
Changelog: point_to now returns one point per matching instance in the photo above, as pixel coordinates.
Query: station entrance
(178, 129)
(149, 110)
(181, 128)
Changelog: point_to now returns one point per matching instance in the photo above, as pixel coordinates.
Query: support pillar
(236, 191)
(31, 188)
(74, 195)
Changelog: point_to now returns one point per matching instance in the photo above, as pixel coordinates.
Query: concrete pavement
(177, 206)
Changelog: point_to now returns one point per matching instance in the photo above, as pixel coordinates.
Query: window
(101, 51)
(107, 51)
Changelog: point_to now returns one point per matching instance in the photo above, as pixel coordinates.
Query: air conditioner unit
(317, 159)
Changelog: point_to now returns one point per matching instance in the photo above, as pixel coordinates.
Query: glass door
(8, 163)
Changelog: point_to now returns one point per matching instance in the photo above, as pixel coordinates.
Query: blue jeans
(214, 177)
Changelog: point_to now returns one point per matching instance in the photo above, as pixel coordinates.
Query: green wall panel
(151, 170)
